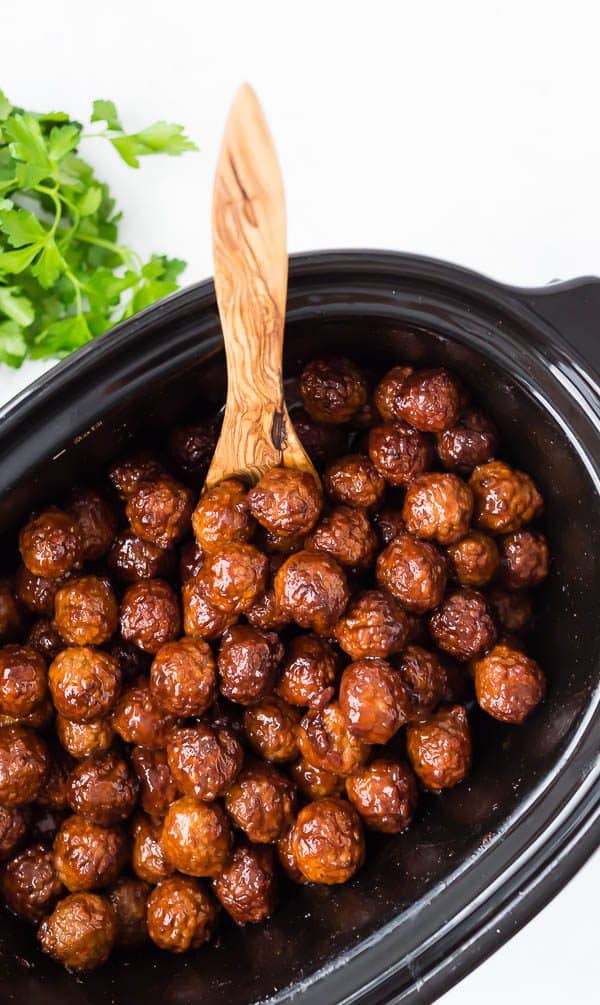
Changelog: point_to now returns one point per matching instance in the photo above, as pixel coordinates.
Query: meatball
(234, 577)
(131, 559)
(266, 613)
(51, 544)
(87, 856)
(431, 400)
(313, 590)
(505, 498)
(385, 794)
(287, 858)
(399, 452)
(128, 897)
(332, 390)
(354, 481)
(159, 510)
(132, 661)
(440, 749)
(22, 680)
(326, 742)
(81, 931)
(309, 672)
(183, 677)
(508, 684)
(464, 625)
(10, 617)
(438, 507)
(270, 727)
(414, 572)
(328, 842)
(192, 447)
(514, 611)
(204, 760)
(84, 683)
(14, 824)
(196, 837)
(150, 615)
(321, 443)
(37, 592)
(388, 393)
(148, 859)
(373, 700)
(524, 559)
(223, 515)
(138, 719)
(286, 502)
(374, 625)
(181, 914)
(474, 560)
(261, 802)
(469, 443)
(423, 677)
(158, 788)
(86, 612)
(347, 536)
(24, 765)
(103, 789)
(247, 886)
(45, 639)
(248, 661)
(191, 560)
(128, 474)
(55, 793)
(315, 782)
(29, 883)
(83, 739)
(199, 617)
(388, 524)
(97, 522)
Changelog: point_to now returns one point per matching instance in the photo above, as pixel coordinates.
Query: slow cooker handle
(573, 311)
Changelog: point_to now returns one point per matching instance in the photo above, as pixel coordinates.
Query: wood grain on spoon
(251, 267)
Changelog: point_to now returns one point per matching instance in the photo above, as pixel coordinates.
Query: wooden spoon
(251, 267)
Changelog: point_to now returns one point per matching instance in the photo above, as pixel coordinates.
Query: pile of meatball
(202, 695)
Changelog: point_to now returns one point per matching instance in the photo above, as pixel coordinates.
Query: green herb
(64, 276)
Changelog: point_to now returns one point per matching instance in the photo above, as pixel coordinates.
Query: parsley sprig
(64, 275)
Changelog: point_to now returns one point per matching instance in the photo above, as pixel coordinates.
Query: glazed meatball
(440, 749)
(315, 782)
(423, 676)
(388, 524)
(29, 883)
(326, 741)
(128, 474)
(399, 452)
(270, 727)
(131, 559)
(438, 507)
(266, 613)
(56, 789)
(160, 510)
(150, 615)
(414, 572)
(84, 683)
(204, 760)
(388, 393)
(103, 789)
(321, 443)
(247, 886)
(385, 794)
(37, 592)
(199, 617)
(181, 914)
(87, 856)
(22, 680)
(196, 837)
(286, 502)
(464, 625)
(261, 802)
(191, 560)
(192, 447)
(508, 684)
(148, 859)
(132, 661)
(97, 522)
(86, 612)
(373, 700)
(138, 719)
(234, 577)
(313, 590)
(51, 544)
(505, 498)
(83, 739)
(469, 443)
(223, 515)
(128, 897)
(24, 765)
(309, 672)
(45, 639)
(158, 788)
(332, 390)
(81, 931)
(10, 617)
(248, 661)
(374, 625)
(514, 611)
(354, 481)
(328, 842)
(431, 400)
(287, 858)
(347, 536)
(474, 560)
(524, 559)
(183, 677)
(14, 824)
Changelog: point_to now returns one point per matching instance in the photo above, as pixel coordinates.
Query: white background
(468, 131)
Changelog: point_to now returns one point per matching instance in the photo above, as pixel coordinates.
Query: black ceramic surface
(481, 859)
